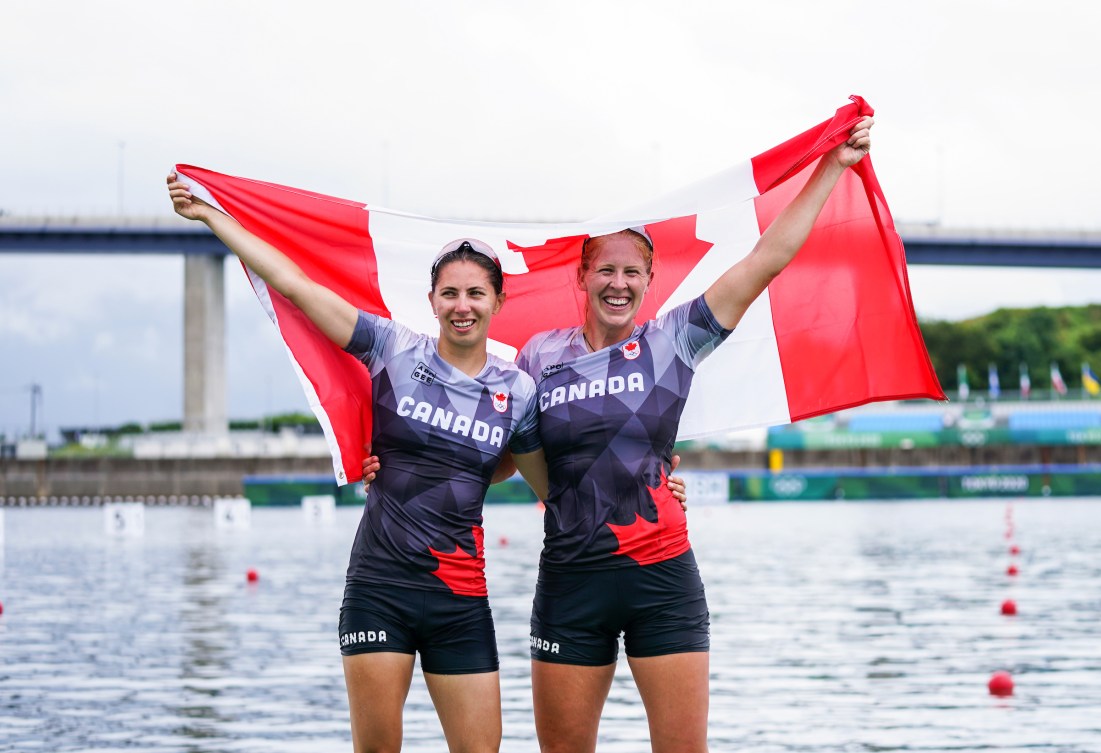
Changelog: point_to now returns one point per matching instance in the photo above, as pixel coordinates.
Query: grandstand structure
(961, 449)
(978, 423)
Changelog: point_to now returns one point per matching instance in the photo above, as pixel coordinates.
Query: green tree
(1068, 336)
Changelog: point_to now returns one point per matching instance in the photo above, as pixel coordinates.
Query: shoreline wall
(120, 477)
(125, 476)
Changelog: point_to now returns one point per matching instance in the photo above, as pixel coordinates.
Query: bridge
(925, 244)
(204, 305)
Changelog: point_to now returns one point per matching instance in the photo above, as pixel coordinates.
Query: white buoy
(124, 519)
(232, 513)
(706, 487)
(319, 508)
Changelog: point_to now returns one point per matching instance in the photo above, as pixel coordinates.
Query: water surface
(835, 627)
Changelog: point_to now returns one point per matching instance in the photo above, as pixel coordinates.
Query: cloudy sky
(499, 110)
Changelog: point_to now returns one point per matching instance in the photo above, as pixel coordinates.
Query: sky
(985, 113)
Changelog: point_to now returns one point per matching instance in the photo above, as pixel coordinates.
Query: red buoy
(1, 607)
(1001, 684)
(252, 576)
(1014, 550)
(1011, 570)
(503, 541)
(1009, 607)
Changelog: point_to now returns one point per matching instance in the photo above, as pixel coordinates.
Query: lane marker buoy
(1001, 684)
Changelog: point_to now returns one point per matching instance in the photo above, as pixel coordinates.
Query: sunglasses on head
(469, 244)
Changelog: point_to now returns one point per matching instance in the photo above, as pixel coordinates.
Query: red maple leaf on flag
(547, 296)
(464, 574)
(646, 542)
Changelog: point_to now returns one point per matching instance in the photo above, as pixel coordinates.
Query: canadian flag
(836, 329)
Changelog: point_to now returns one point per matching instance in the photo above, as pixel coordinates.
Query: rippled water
(835, 627)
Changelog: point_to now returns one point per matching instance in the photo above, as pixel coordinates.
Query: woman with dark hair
(616, 558)
(445, 410)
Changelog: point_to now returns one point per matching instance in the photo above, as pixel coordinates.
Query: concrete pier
(204, 345)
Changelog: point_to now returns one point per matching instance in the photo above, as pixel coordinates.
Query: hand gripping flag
(836, 329)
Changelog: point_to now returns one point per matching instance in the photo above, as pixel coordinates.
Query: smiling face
(464, 301)
(615, 274)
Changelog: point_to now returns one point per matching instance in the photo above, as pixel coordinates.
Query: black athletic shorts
(659, 609)
(454, 634)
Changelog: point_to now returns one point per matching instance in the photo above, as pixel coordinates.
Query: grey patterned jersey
(439, 435)
(608, 421)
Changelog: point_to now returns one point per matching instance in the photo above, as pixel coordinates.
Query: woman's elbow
(295, 287)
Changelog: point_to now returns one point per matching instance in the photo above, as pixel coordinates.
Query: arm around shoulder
(533, 467)
(505, 469)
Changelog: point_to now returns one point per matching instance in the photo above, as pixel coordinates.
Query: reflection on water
(840, 627)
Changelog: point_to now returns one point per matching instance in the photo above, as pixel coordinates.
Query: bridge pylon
(204, 345)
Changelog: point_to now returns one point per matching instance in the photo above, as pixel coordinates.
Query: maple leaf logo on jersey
(500, 401)
(632, 350)
(463, 574)
(646, 542)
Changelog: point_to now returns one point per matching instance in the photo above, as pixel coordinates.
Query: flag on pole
(961, 380)
(1026, 382)
(1090, 383)
(1057, 383)
(836, 329)
(995, 387)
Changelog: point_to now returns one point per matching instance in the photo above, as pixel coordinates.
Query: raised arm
(328, 311)
(730, 295)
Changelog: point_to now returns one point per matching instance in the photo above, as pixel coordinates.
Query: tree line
(1007, 338)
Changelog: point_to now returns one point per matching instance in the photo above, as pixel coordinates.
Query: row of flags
(1090, 383)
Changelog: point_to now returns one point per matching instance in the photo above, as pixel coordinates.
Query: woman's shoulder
(503, 365)
(376, 336)
(549, 341)
(509, 372)
(370, 321)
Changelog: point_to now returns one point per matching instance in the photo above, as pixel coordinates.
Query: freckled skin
(617, 271)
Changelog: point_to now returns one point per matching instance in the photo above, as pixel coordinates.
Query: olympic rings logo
(787, 486)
